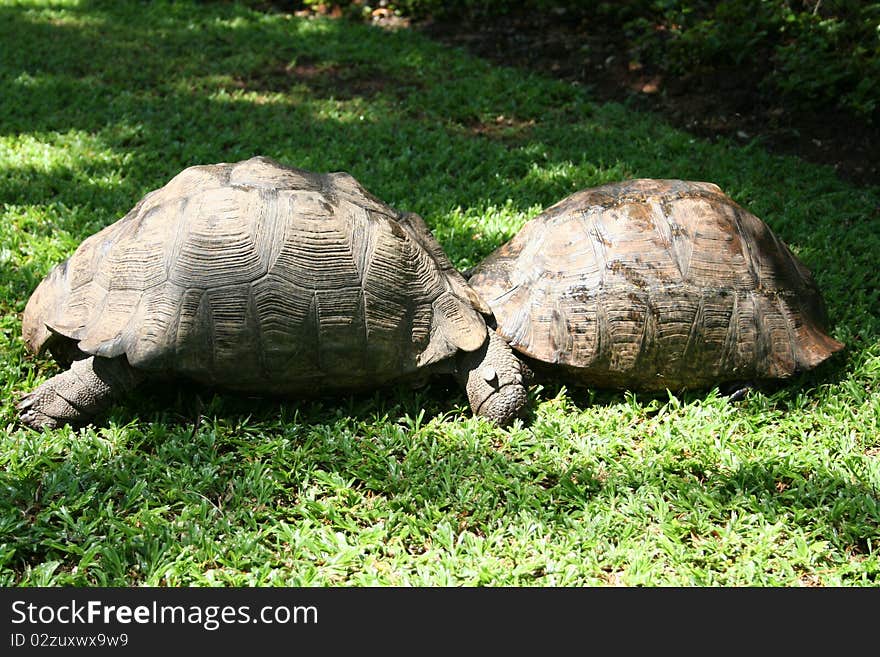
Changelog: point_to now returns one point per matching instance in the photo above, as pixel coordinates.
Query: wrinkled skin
(74, 396)
(495, 380)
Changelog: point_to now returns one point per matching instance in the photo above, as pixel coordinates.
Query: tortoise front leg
(495, 380)
(77, 394)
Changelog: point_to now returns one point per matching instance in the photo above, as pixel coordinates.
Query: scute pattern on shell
(261, 277)
(653, 284)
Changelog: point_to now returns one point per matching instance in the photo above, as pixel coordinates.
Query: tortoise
(654, 284)
(266, 279)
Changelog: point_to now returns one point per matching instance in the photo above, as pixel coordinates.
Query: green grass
(104, 101)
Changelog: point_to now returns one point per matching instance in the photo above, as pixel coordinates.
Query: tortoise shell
(654, 284)
(261, 278)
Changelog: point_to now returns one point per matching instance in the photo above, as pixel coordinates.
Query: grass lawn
(104, 101)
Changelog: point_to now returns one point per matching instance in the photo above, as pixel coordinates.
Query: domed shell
(653, 284)
(260, 277)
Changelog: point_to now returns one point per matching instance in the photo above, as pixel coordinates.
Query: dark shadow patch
(324, 79)
(502, 128)
(724, 102)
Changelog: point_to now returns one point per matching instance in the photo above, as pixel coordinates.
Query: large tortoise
(260, 278)
(652, 285)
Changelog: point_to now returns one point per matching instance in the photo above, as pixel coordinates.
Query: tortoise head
(495, 380)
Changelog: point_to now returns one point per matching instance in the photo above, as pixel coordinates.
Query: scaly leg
(77, 394)
(495, 380)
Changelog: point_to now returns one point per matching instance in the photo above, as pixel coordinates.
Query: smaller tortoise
(264, 279)
(653, 285)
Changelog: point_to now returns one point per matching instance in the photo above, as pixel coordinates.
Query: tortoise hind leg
(74, 396)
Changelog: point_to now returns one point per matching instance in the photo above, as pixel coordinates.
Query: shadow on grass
(833, 371)
(184, 404)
